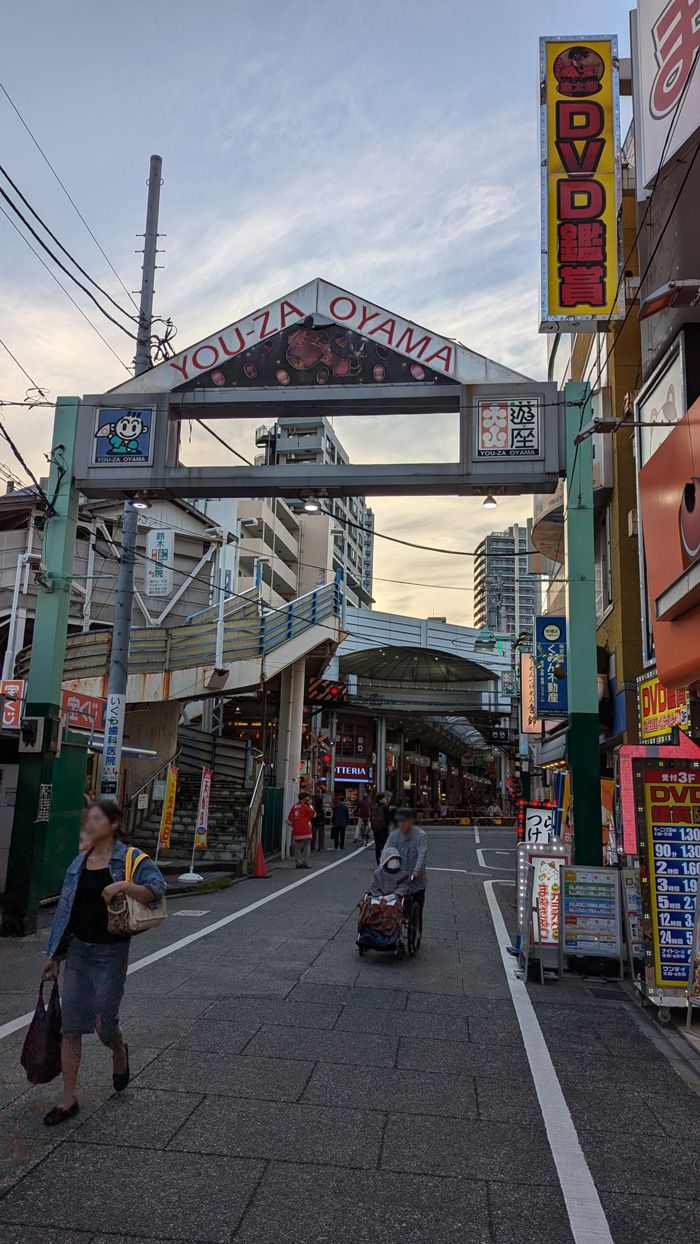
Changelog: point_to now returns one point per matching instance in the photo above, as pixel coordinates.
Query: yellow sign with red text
(660, 709)
(166, 820)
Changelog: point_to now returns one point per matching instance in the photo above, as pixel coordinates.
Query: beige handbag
(128, 915)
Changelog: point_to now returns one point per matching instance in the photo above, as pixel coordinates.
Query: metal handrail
(254, 815)
(133, 819)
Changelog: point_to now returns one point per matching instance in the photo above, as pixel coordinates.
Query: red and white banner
(84, 712)
(201, 833)
(12, 689)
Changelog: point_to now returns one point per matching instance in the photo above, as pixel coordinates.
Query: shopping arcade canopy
(321, 350)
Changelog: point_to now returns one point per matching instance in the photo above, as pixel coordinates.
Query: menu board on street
(590, 902)
(668, 803)
(538, 885)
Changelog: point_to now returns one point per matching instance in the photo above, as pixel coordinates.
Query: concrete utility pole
(124, 597)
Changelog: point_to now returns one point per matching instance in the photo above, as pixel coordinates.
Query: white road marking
(588, 1222)
(192, 911)
(497, 868)
(477, 835)
(466, 872)
(22, 1021)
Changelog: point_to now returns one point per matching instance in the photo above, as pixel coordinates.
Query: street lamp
(489, 502)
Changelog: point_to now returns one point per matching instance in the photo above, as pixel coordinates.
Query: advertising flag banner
(581, 186)
(201, 837)
(166, 820)
(160, 553)
(550, 667)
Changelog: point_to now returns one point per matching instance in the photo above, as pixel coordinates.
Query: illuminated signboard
(660, 709)
(580, 144)
(353, 772)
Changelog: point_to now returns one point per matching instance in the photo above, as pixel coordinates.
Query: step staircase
(228, 823)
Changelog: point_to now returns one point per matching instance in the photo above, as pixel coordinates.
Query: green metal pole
(30, 822)
(582, 745)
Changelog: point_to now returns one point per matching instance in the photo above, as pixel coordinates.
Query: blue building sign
(550, 667)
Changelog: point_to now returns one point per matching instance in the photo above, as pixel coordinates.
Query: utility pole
(124, 597)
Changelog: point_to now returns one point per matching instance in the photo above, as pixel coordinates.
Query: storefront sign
(546, 861)
(166, 820)
(510, 428)
(83, 712)
(12, 689)
(590, 900)
(579, 133)
(356, 772)
(201, 834)
(660, 709)
(667, 99)
(550, 667)
(669, 857)
(160, 554)
(529, 721)
(123, 436)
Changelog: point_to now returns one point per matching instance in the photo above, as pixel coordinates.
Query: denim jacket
(147, 873)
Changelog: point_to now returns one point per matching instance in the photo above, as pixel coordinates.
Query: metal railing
(134, 816)
(255, 809)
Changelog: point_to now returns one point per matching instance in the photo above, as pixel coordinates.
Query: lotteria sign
(355, 772)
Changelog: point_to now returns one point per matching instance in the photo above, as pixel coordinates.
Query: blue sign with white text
(551, 687)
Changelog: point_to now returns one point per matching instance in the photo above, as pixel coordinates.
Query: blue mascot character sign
(124, 436)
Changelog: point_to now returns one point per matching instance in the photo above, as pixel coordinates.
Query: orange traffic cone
(260, 871)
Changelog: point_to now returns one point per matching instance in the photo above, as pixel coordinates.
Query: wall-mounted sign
(123, 436)
(160, 555)
(552, 696)
(660, 709)
(111, 748)
(352, 772)
(507, 428)
(535, 822)
(667, 104)
(529, 721)
(669, 860)
(580, 144)
(12, 690)
(590, 907)
(83, 712)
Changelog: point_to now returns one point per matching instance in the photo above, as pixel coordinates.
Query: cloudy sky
(387, 145)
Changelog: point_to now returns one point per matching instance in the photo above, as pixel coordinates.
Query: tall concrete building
(506, 596)
(311, 438)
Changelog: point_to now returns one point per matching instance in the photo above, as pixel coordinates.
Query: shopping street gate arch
(321, 350)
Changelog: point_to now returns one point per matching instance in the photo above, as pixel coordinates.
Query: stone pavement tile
(139, 1118)
(325, 1047)
(271, 1079)
(463, 1056)
(305, 1133)
(512, 1100)
(42, 1235)
(307, 1204)
(273, 1011)
(487, 1029)
(225, 1036)
(25, 1117)
(598, 1110)
(623, 1163)
(494, 985)
(402, 1023)
(655, 1075)
(187, 1197)
(649, 1219)
(390, 1090)
(331, 972)
(156, 980)
(384, 973)
(521, 1217)
(319, 994)
(474, 1149)
(253, 986)
(19, 1155)
(15, 1003)
(394, 999)
(163, 1008)
(470, 1003)
(96, 1061)
(679, 1115)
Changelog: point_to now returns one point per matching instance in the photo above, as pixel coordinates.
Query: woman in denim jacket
(95, 959)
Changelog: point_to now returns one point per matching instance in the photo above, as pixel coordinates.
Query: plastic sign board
(123, 436)
(508, 428)
(355, 771)
(83, 712)
(12, 691)
(667, 99)
(668, 796)
(660, 709)
(529, 721)
(581, 186)
(552, 695)
(112, 746)
(158, 568)
(550, 857)
(201, 834)
(590, 906)
(539, 823)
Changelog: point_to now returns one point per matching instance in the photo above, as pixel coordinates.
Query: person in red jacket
(300, 818)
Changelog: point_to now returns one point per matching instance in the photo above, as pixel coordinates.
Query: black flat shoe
(56, 1115)
(120, 1079)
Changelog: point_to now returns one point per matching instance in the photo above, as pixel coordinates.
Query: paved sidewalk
(287, 1091)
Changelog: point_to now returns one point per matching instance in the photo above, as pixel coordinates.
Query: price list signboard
(591, 912)
(668, 805)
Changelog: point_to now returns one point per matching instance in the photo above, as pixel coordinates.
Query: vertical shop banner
(590, 902)
(546, 859)
(201, 835)
(581, 182)
(160, 554)
(669, 858)
(529, 721)
(665, 43)
(550, 667)
(12, 691)
(112, 746)
(166, 820)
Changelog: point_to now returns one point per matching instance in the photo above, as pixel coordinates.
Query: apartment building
(506, 595)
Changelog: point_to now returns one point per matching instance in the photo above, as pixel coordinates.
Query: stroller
(389, 921)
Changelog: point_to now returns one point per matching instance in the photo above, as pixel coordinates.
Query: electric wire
(24, 372)
(65, 191)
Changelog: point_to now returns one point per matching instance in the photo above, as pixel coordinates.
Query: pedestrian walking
(318, 824)
(339, 823)
(364, 814)
(301, 820)
(95, 959)
(412, 845)
(380, 817)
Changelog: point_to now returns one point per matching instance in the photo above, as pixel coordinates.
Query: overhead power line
(24, 372)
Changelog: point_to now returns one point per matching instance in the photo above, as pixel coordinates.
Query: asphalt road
(285, 1090)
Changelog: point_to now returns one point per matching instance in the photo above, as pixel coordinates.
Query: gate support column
(290, 728)
(582, 743)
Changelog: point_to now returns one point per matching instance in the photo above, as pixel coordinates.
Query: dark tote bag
(41, 1052)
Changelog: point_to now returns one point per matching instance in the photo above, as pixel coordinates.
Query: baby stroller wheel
(413, 934)
(400, 951)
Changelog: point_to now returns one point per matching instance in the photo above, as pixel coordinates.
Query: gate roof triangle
(325, 303)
